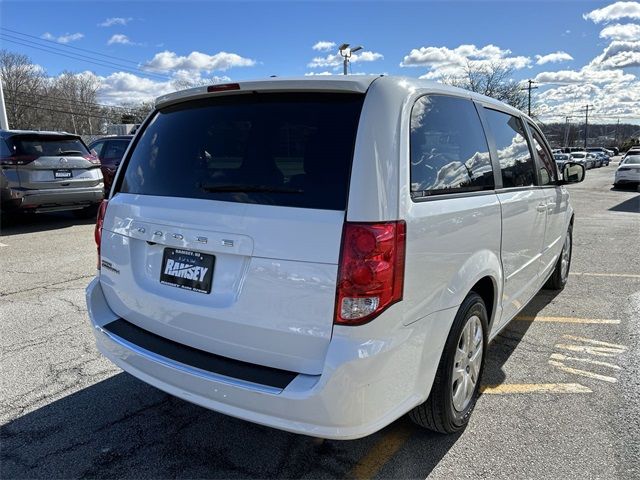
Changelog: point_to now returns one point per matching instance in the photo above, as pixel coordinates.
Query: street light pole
(345, 52)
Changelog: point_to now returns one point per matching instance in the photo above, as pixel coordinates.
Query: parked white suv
(324, 256)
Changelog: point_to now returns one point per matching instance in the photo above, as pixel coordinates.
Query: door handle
(542, 208)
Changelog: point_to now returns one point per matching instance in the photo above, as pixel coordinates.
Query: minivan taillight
(97, 234)
(371, 270)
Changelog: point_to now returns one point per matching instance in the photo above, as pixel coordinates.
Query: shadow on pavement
(507, 341)
(123, 428)
(631, 205)
(18, 224)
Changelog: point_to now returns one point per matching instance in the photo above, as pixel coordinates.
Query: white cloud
(629, 32)
(120, 39)
(197, 61)
(110, 22)
(443, 61)
(609, 100)
(553, 58)
(619, 54)
(323, 46)
(316, 74)
(66, 38)
(586, 74)
(615, 11)
(335, 60)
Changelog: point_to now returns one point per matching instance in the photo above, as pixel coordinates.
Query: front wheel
(560, 275)
(457, 382)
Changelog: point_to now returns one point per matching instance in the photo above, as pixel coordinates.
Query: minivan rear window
(285, 149)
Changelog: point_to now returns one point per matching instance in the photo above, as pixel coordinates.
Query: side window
(548, 170)
(98, 148)
(516, 162)
(449, 151)
(115, 149)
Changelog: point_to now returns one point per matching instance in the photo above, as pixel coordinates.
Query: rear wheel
(455, 388)
(560, 275)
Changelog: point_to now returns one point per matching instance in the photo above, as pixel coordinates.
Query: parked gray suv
(48, 171)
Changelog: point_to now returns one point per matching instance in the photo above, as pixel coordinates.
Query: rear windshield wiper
(240, 187)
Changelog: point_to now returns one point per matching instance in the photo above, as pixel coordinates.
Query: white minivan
(325, 255)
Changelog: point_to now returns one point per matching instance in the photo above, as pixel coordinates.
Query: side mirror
(572, 173)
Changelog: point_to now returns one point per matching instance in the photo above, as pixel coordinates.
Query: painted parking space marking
(3, 244)
(590, 350)
(511, 388)
(381, 452)
(586, 346)
(623, 275)
(600, 343)
(597, 321)
(583, 373)
(561, 357)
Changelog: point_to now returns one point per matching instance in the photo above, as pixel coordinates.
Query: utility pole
(4, 123)
(529, 88)
(586, 124)
(616, 137)
(566, 132)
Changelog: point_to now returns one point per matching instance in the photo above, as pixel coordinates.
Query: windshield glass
(635, 160)
(289, 149)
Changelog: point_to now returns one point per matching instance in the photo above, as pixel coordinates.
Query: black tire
(88, 212)
(557, 281)
(438, 412)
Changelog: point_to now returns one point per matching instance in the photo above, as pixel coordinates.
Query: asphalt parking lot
(561, 398)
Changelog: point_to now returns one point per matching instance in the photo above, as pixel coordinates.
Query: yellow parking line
(526, 318)
(595, 342)
(508, 388)
(624, 275)
(584, 373)
(381, 453)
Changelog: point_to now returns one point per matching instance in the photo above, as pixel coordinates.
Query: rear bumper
(52, 199)
(365, 384)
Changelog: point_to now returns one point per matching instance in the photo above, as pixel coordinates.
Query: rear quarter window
(286, 149)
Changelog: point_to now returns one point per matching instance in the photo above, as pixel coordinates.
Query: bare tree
(21, 82)
(492, 79)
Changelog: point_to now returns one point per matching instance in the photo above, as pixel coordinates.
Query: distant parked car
(632, 151)
(628, 171)
(561, 159)
(582, 158)
(606, 151)
(597, 160)
(603, 157)
(110, 150)
(48, 171)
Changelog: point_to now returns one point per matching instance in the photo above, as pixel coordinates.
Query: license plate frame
(62, 173)
(186, 269)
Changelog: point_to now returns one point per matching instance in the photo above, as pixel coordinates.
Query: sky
(580, 52)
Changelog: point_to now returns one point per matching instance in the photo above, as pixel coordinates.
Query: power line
(55, 110)
(94, 52)
(47, 96)
(83, 58)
